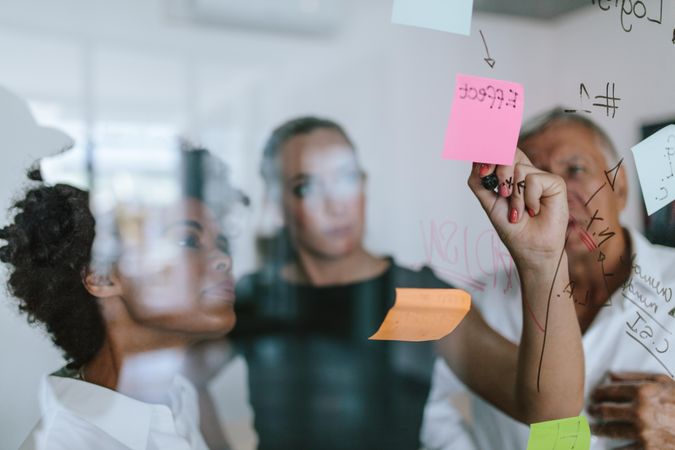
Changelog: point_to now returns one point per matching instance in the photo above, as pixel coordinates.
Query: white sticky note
(655, 162)
(453, 16)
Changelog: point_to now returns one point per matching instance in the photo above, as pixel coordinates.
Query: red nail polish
(484, 170)
(513, 215)
(530, 212)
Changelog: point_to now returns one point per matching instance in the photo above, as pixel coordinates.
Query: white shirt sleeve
(443, 427)
(229, 391)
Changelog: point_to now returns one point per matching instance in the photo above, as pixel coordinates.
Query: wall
(591, 47)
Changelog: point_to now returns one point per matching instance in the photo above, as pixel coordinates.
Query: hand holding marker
(491, 182)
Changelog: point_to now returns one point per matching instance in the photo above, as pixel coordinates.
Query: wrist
(541, 268)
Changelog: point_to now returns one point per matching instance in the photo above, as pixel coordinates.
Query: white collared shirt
(628, 336)
(80, 415)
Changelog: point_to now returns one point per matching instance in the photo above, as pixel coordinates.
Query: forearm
(550, 372)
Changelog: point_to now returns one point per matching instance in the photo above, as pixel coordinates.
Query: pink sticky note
(485, 120)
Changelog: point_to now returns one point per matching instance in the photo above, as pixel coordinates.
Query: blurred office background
(225, 72)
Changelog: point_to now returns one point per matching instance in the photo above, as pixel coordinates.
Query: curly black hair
(48, 250)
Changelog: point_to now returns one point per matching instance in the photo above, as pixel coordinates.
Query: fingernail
(503, 190)
(484, 170)
(513, 215)
(530, 212)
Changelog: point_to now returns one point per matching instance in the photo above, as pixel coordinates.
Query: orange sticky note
(423, 314)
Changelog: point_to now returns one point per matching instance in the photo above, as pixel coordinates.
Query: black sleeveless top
(316, 381)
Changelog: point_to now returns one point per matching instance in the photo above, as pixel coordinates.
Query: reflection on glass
(305, 316)
(142, 322)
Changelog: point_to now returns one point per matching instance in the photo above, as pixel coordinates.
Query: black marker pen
(490, 182)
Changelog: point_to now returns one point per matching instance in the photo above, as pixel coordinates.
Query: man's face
(578, 155)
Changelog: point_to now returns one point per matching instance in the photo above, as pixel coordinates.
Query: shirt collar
(123, 418)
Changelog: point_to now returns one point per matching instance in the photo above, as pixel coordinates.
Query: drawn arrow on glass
(490, 61)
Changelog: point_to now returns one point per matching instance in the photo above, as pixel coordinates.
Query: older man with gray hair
(621, 286)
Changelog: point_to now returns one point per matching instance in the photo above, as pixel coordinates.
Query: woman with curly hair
(147, 368)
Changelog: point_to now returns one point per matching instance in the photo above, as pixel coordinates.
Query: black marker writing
(663, 291)
(614, 171)
(606, 234)
(595, 193)
(593, 219)
(548, 307)
(643, 334)
(521, 186)
(582, 91)
(670, 152)
(509, 182)
(586, 299)
(496, 97)
(609, 102)
(636, 295)
(490, 61)
(635, 8)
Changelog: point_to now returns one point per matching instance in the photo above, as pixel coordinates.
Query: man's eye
(189, 241)
(574, 170)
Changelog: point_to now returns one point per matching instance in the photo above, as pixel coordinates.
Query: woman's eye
(353, 177)
(303, 190)
(223, 245)
(347, 185)
(190, 241)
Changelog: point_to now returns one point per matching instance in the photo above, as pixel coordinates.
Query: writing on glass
(655, 163)
(633, 11)
(607, 101)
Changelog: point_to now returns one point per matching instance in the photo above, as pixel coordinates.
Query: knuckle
(661, 378)
(647, 391)
(646, 436)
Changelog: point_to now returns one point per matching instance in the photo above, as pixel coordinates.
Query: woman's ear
(101, 285)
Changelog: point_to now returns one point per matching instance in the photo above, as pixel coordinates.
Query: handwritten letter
(655, 162)
(563, 434)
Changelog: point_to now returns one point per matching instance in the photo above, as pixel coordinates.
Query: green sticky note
(563, 434)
